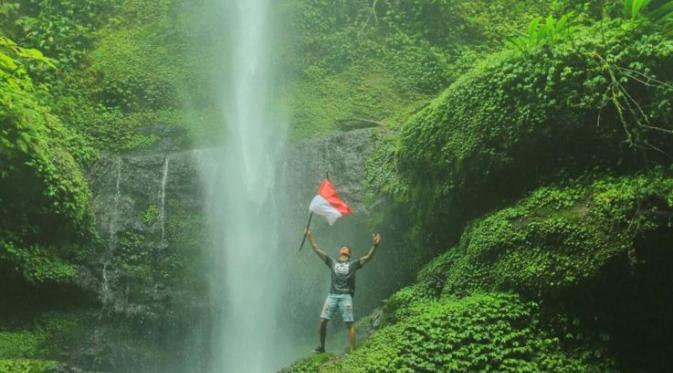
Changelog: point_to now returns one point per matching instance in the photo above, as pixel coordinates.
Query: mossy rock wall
(152, 285)
(588, 264)
(551, 189)
(520, 120)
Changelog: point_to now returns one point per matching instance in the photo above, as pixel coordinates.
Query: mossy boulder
(557, 282)
(485, 332)
(27, 366)
(558, 237)
(520, 120)
(308, 365)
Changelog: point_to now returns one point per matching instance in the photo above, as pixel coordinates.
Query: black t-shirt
(343, 275)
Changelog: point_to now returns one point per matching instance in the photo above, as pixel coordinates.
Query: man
(343, 287)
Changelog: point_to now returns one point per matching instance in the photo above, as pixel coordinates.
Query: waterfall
(162, 202)
(249, 281)
(112, 232)
(114, 217)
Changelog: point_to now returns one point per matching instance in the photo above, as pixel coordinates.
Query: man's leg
(327, 313)
(322, 329)
(351, 336)
(346, 307)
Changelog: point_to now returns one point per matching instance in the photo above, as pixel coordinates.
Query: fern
(540, 34)
(633, 8)
(639, 9)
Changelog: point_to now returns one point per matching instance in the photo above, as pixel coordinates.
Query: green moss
(360, 92)
(558, 237)
(309, 364)
(150, 215)
(519, 118)
(44, 197)
(27, 365)
(482, 332)
(49, 336)
(36, 264)
(547, 246)
(18, 344)
(184, 260)
(59, 333)
(381, 63)
(135, 255)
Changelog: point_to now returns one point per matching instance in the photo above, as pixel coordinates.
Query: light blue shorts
(344, 302)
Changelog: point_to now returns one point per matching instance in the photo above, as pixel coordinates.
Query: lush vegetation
(597, 99)
(44, 196)
(545, 169)
(532, 139)
(76, 82)
(382, 60)
(481, 332)
(575, 252)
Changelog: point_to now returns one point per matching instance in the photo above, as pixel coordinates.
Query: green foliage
(150, 215)
(18, 344)
(42, 188)
(50, 336)
(27, 366)
(549, 33)
(482, 332)
(382, 60)
(64, 29)
(58, 333)
(127, 99)
(309, 364)
(557, 238)
(518, 118)
(640, 9)
(133, 254)
(181, 264)
(12, 70)
(550, 244)
(633, 8)
(36, 264)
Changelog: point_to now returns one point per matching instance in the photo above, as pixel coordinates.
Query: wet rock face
(149, 214)
(343, 155)
(154, 271)
(134, 201)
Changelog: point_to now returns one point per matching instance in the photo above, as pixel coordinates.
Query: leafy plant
(63, 29)
(652, 15)
(496, 122)
(484, 332)
(150, 215)
(42, 187)
(638, 9)
(633, 8)
(541, 34)
(36, 264)
(27, 366)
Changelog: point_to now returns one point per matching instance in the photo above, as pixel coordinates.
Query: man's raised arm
(314, 245)
(376, 240)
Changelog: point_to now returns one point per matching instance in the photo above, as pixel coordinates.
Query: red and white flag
(328, 204)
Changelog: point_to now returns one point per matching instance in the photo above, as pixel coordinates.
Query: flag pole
(308, 225)
(310, 217)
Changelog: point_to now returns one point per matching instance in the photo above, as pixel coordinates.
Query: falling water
(162, 202)
(249, 284)
(112, 232)
(112, 228)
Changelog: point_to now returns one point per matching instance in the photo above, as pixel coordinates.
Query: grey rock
(143, 204)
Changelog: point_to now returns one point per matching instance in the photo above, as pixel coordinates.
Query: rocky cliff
(153, 276)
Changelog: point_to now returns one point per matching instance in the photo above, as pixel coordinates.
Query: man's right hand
(376, 239)
(307, 233)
